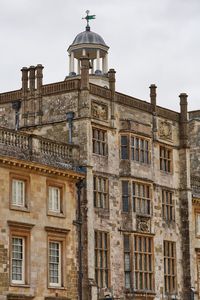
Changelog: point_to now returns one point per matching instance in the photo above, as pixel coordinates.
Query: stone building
(141, 218)
(38, 205)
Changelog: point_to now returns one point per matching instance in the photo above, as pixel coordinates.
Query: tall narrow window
(170, 266)
(19, 253)
(18, 260)
(54, 263)
(143, 258)
(99, 141)
(165, 159)
(101, 258)
(124, 147)
(127, 261)
(125, 196)
(167, 206)
(54, 199)
(18, 192)
(141, 198)
(100, 192)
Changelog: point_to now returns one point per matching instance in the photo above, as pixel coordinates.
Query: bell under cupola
(91, 45)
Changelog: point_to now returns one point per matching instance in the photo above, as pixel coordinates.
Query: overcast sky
(151, 41)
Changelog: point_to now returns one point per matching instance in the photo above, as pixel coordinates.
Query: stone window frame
(128, 199)
(168, 209)
(26, 180)
(130, 151)
(149, 254)
(21, 230)
(58, 235)
(102, 143)
(166, 161)
(61, 186)
(99, 193)
(170, 279)
(102, 273)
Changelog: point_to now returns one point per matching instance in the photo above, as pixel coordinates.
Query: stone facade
(35, 223)
(139, 163)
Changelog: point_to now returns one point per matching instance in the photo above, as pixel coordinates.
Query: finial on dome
(87, 18)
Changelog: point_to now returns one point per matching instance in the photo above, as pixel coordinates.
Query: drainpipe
(70, 117)
(16, 105)
(79, 185)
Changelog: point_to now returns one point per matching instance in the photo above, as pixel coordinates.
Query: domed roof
(88, 37)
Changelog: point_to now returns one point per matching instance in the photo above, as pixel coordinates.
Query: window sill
(54, 214)
(20, 285)
(57, 288)
(166, 172)
(102, 212)
(100, 155)
(19, 208)
(139, 214)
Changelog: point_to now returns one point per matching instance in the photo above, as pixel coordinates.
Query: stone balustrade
(36, 148)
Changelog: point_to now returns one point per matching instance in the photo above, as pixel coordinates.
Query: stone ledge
(56, 298)
(19, 297)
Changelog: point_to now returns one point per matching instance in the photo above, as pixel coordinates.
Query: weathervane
(87, 18)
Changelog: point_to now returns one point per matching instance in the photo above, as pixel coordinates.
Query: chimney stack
(183, 120)
(24, 71)
(153, 88)
(32, 78)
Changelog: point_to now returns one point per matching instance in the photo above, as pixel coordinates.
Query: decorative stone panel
(165, 130)
(99, 111)
(143, 224)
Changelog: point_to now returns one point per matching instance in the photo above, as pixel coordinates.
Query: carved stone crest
(165, 130)
(99, 111)
(143, 224)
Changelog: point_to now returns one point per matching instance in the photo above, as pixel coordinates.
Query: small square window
(19, 192)
(54, 199)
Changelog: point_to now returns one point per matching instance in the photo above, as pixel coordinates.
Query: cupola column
(105, 64)
(72, 63)
(98, 62)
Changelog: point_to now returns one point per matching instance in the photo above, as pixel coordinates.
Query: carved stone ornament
(165, 130)
(99, 111)
(143, 224)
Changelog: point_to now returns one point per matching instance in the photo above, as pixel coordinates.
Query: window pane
(18, 260)
(18, 192)
(55, 263)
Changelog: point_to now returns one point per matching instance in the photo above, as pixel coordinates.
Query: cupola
(91, 45)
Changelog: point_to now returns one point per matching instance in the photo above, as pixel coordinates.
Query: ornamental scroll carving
(99, 111)
(143, 224)
(165, 130)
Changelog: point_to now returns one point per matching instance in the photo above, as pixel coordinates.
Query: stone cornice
(21, 225)
(56, 230)
(7, 161)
